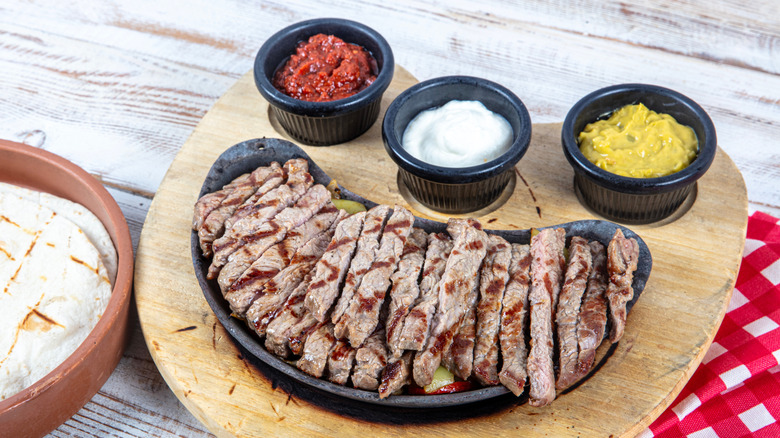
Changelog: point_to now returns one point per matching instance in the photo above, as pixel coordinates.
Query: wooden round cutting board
(696, 256)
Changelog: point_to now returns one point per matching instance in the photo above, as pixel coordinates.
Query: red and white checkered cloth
(735, 392)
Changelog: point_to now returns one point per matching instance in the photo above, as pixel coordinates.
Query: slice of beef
(332, 267)
(417, 324)
(569, 303)
(316, 350)
(622, 259)
(514, 320)
(214, 224)
(593, 313)
(277, 333)
(493, 280)
(208, 202)
(269, 303)
(272, 232)
(242, 293)
(300, 331)
(396, 375)
(362, 315)
(340, 362)
(459, 279)
(370, 360)
(459, 356)
(270, 204)
(405, 289)
(367, 245)
(547, 265)
(257, 201)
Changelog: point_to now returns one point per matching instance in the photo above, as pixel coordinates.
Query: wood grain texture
(117, 87)
(233, 396)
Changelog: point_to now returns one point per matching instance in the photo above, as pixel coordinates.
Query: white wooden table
(117, 87)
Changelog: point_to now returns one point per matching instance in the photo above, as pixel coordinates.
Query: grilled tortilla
(53, 289)
(79, 215)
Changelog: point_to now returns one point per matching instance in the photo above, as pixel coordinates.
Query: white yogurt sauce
(460, 133)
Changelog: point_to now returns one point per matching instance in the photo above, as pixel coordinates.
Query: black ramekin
(636, 200)
(324, 123)
(448, 189)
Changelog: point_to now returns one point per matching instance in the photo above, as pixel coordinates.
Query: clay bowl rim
(87, 188)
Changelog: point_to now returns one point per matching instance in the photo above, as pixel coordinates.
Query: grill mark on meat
(214, 224)
(593, 313)
(208, 202)
(243, 292)
(546, 272)
(245, 229)
(370, 360)
(514, 320)
(362, 315)
(405, 289)
(340, 362)
(316, 350)
(312, 201)
(414, 333)
(267, 304)
(493, 280)
(461, 270)
(569, 303)
(396, 375)
(622, 257)
(367, 245)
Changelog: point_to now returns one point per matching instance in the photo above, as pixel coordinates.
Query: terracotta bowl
(46, 404)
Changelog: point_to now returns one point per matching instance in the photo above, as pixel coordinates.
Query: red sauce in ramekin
(326, 68)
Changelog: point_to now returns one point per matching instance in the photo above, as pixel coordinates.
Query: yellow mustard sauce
(638, 142)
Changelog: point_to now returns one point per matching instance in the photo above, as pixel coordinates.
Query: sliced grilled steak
(622, 257)
(362, 315)
(367, 244)
(396, 375)
(214, 224)
(271, 203)
(459, 357)
(332, 267)
(255, 202)
(242, 293)
(300, 331)
(593, 313)
(340, 362)
(493, 280)
(574, 284)
(277, 333)
(547, 265)
(514, 319)
(208, 202)
(269, 303)
(272, 232)
(316, 350)
(459, 279)
(405, 289)
(370, 360)
(417, 324)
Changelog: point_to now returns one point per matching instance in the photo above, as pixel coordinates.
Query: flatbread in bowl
(65, 247)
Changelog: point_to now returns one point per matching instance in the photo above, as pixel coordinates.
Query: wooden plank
(650, 366)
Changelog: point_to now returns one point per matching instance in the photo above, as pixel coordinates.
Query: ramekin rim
(334, 107)
(457, 175)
